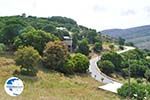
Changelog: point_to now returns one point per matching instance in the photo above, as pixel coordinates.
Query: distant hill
(140, 36)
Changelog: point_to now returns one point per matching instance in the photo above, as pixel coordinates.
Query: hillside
(140, 36)
(49, 85)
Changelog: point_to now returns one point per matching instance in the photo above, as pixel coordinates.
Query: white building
(68, 41)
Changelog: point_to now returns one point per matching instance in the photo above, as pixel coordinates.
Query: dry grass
(5, 61)
(50, 85)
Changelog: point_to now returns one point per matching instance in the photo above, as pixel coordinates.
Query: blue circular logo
(14, 86)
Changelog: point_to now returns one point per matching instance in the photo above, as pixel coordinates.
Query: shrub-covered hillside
(15, 28)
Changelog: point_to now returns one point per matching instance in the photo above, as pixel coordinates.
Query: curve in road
(111, 84)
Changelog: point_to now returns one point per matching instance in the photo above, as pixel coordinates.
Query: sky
(97, 14)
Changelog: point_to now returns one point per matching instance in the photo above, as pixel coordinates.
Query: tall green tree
(9, 33)
(35, 38)
(83, 47)
(121, 41)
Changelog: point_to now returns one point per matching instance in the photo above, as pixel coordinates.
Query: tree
(63, 20)
(97, 46)
(55, 54)
(83, 47)
(9, 32)
(135, 54)
(106, 66)
(49, 28)
(11, 29)
(121, 41)
(28, 59)
(35, 38)
(91, 35)
(113, 57)
(137, 68)
(81, 63)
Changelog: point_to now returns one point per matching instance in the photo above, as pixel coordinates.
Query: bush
(137, 68)
(77, 63)
(97, 47)
(81, 63)
(106, 66)
(113, 57)
(134, 55)
(55, 55)
(68, 67)
(136, 91)
(28, 59)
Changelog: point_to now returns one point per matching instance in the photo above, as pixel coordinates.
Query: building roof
(67, 37)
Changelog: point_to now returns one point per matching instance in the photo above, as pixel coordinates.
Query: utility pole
(129, 79)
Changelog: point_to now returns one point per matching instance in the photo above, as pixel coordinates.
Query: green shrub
(77, 63)
(97, 46)
(81, 63)
(28, 59)
(68, 67)
(106, 66)
(136, 91)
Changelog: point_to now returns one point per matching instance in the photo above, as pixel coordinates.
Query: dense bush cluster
(136, 60)
(56, 57)
(136, 91)
(37, 37)
(112, 62)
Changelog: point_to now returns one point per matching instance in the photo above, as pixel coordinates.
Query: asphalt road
(111, 84)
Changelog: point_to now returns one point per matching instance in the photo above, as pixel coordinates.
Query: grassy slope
(55, 86)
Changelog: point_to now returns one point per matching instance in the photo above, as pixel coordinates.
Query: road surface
(111, 84)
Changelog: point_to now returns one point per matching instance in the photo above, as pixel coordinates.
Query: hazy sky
(97, 14)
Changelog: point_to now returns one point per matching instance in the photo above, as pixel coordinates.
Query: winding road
(110, 83)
